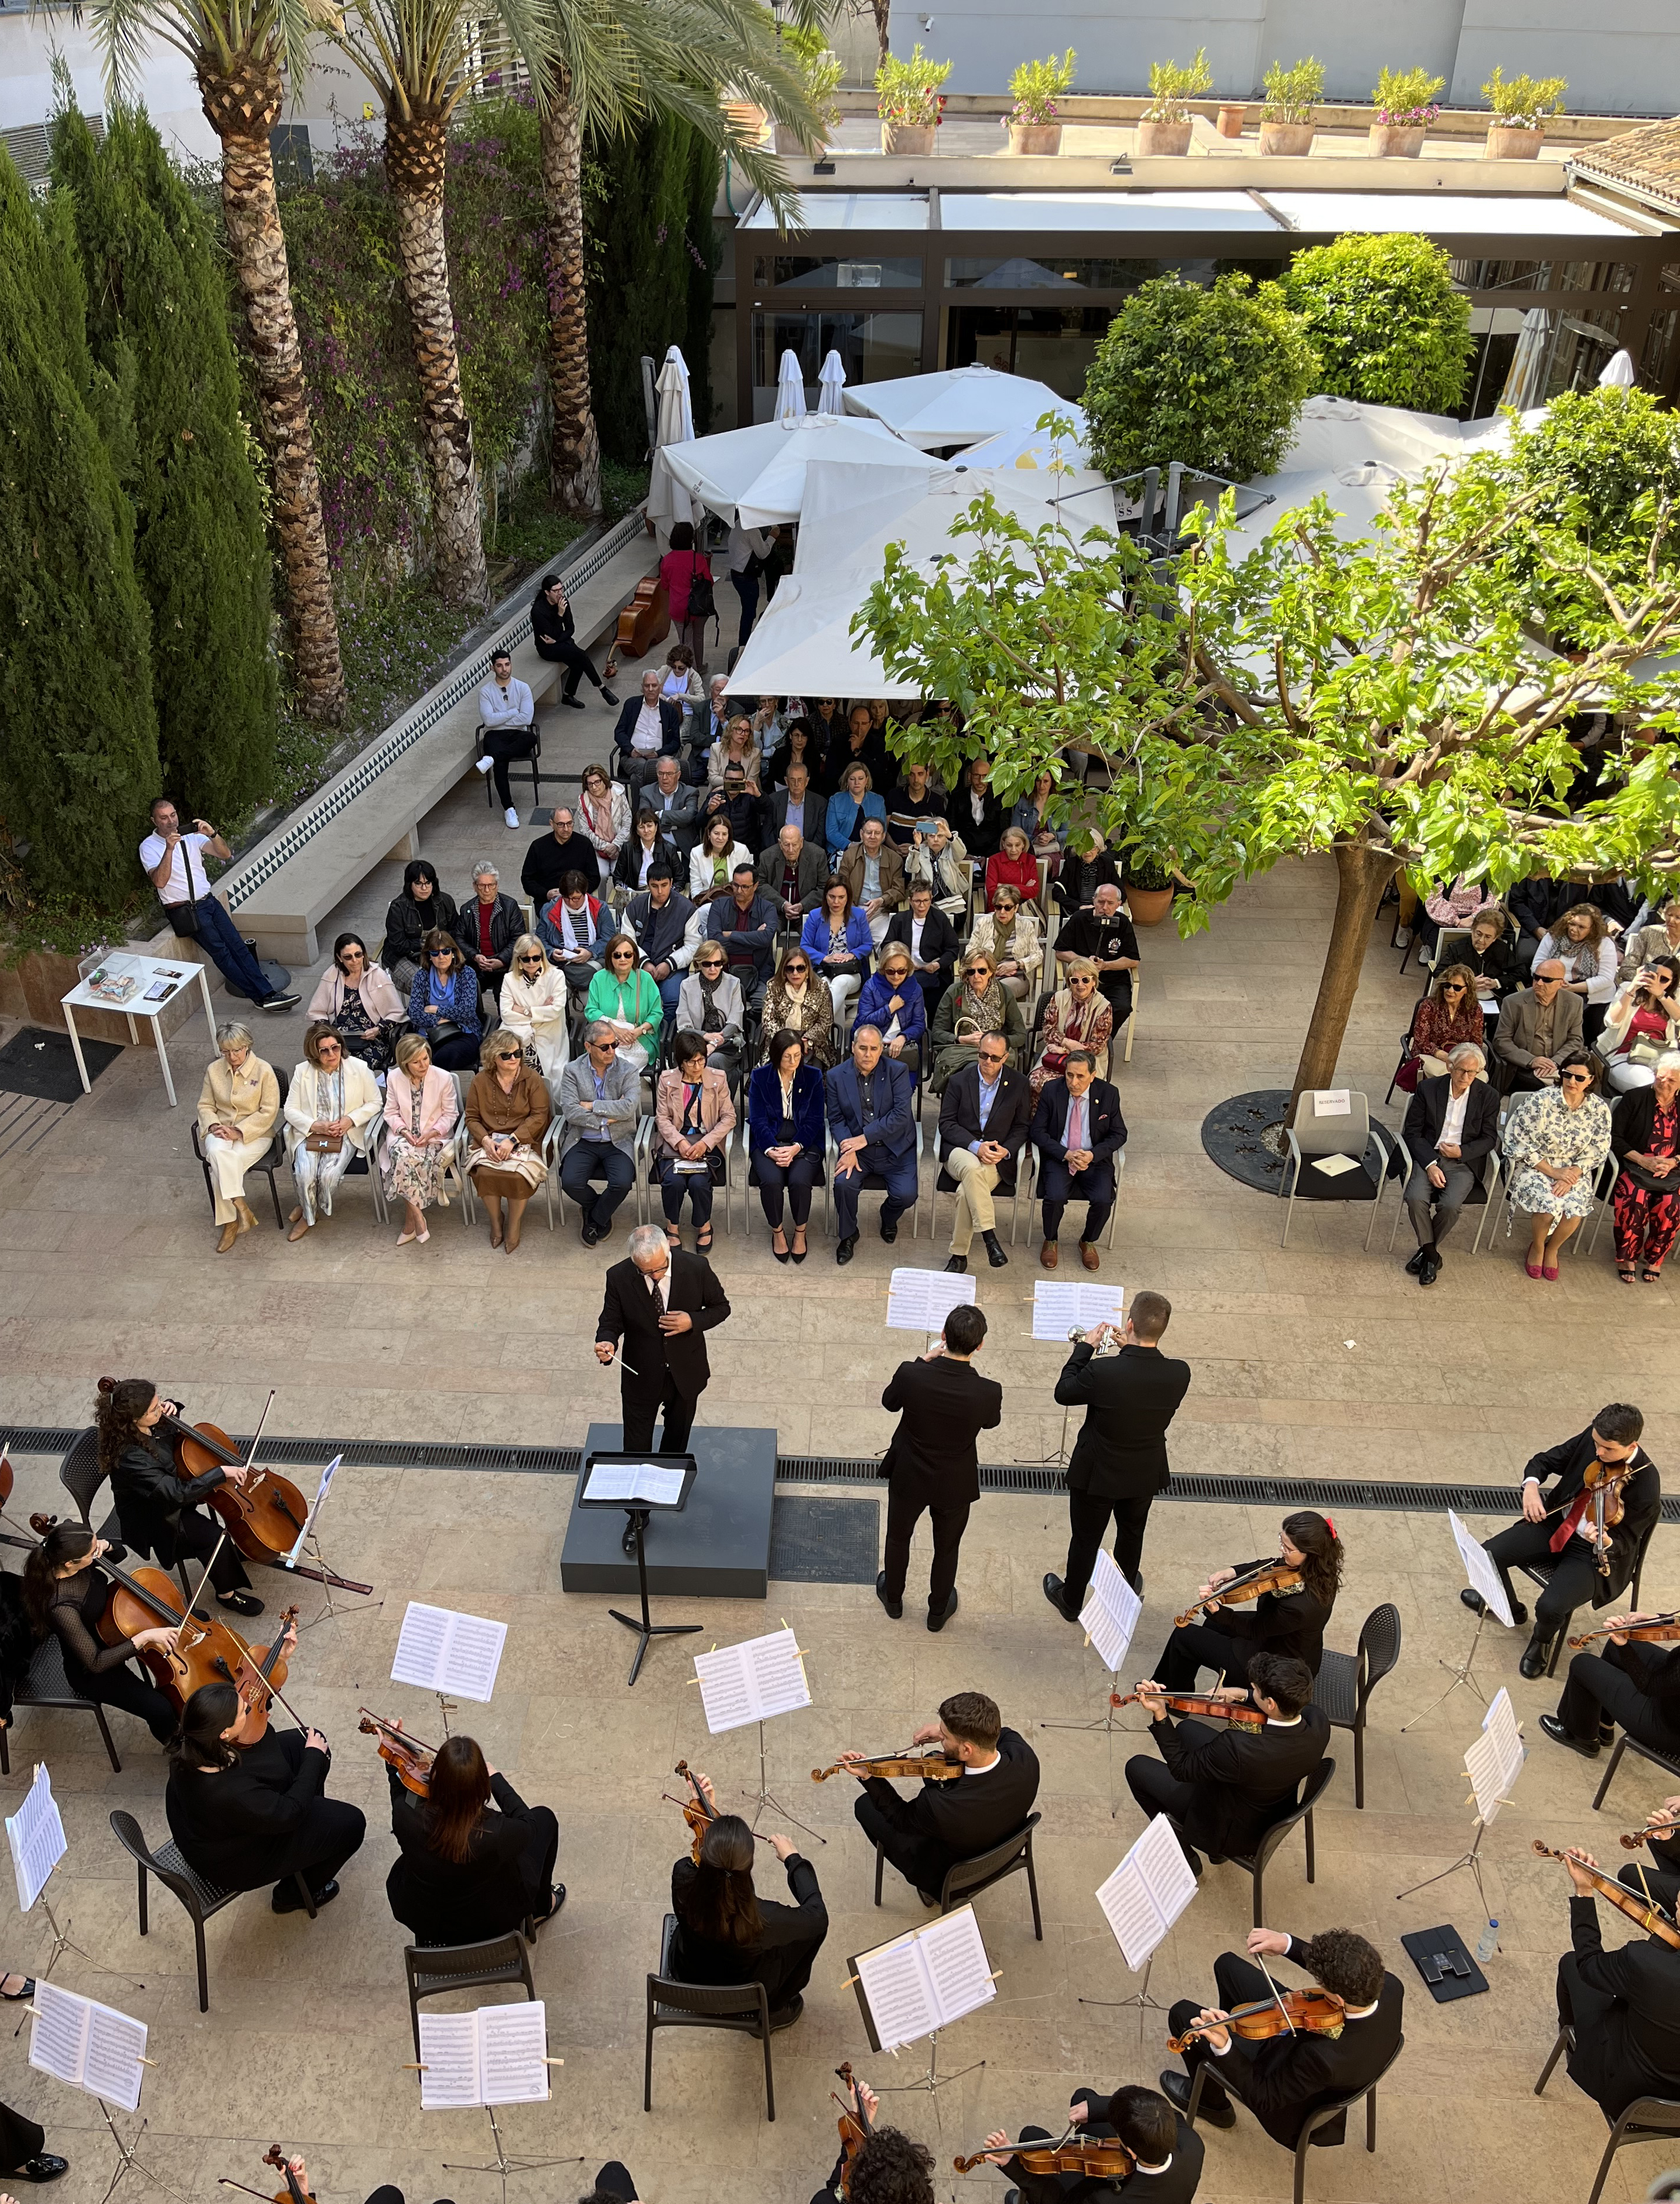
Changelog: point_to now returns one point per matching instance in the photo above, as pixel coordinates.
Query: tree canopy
(1385, 320)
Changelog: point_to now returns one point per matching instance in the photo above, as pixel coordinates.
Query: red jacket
(1021, 872)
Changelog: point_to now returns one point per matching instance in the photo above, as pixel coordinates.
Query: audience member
(859, 742)
(940, 859)
(712, 724)
(238, 1105)
(873, 872)
(683, 687)
(736, 747)
(627, 1001)
(975, 811)
(709, 1003)
(737, 799)
(793, 873)
(1076, 1016)
(784, 1133)
(805, 745)
(891, 1001)
(507, 727)
(359, 1000)
(1452, 906)
(851, 803)
(676, 809)
(410, 917)
(1046, 837)
(1452, 1124)
(561, 850)
(507, 1113)
(1448, 1013)
(746, 922)
(976, 1004)
(931, 938)
(659, 920)
(1087, 866)
(796, 803)
(1013, 866)
(555, 631)
(488, 927)
(330, 1108)
(916, 804)
(798, 1000)
(687, 575)
(603, 814)
(748, 548)
(1642, 1025)
(600, 1103)
(1535, 903)
(644, 850)
(1008, 934)
(1645, 1138)
(443, 1005)
(711, 867)
(1554, 1146)
(693, 1117)
(869, 1115)
(1489, 957)
(421, 1107)
(837, 940)
(1661, 937)
(575, 930)
(1588, 954)
(1078, 1130)
(984, 1119)
(174, 864)
(534, 1001)
(1539, 1025)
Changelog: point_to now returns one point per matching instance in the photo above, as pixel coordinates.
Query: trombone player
(1118, 1460)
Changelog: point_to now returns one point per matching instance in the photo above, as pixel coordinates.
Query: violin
(206, 1651)
(1102, 2157)
(1202, 1704)
(1275, 1575)
(854, 2128)
(931, 1766)
(411, 1758)
(1655, 1630)
(263, 1512)
(1651, 1918)
(1656, 1829)
(261, 1674)
(294, 2191)
(1310, 2012)
(695, 1812)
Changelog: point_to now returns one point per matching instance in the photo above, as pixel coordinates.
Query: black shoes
(1217, 2110)
(1558, 1735)
(959, 1263)
(575, 703)
(888, 1230)
(1429, 1270)
(789, 2013)
(994, 1253)
(288, 1900)
(281, 1002)
(591, 1235)
(1473, 1600)
(1534, 1656)
(938, 1621)
(846, 1250)
(1417, 1263)
(1054, 1589)
(44, 2166)
(894, 1607)
(240, 1602)
(607, 697)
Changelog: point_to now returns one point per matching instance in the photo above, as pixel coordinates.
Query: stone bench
(280, 891)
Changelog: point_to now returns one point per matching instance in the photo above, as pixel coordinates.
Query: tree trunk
(574, 447)
(1361, 875)
(241, 107)
(415, 154)
(883, 13)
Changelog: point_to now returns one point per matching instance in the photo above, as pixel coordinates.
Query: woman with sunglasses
(709, 1003)
(359, 1000)
(1077, 1015)
(534, 1006)
(978, 1003)
(443, 1005)
(693, 1117)
(892, 1001)
(330, 1107)
(1449, 1014)
(799, 1001)
(621, 995)
(785, 1135)
(1554, 1146)
(507, 1114)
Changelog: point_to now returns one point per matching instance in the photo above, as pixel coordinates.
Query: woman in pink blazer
(693, 1117)
(421, 1107)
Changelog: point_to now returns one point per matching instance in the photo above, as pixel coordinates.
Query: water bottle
(1487, 1942)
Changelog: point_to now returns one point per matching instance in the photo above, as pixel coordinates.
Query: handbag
(324, 1144)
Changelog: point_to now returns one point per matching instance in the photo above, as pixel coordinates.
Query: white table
(158, 981)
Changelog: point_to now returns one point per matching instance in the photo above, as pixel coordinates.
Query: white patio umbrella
(959, 404)
(789, 390)
(675, 423)
(832, 377)
(757, 475)
(1525, 385)
(1620, 373)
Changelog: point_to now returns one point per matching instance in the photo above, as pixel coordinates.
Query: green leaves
(1385, 320)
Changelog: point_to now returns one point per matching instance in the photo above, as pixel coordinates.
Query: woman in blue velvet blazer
(786, 1132)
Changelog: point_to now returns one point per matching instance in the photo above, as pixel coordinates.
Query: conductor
(660, 1302)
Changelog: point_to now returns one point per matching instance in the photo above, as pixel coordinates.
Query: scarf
(988, 1008)
(711, 1018)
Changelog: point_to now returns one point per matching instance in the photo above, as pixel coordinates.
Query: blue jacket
(814, 936)
(764, 1108)
(671, 725)
(1105, 1126)
(845, 815)
(426, 998)
(891, 1127)
(876, 993)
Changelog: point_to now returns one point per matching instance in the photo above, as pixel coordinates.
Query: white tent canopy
(756, 475)
(959, 406)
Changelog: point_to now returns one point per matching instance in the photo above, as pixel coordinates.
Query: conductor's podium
(718, 1547)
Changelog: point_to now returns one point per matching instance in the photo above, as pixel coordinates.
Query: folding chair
(1317, 1136)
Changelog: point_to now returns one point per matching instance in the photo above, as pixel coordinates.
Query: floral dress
(1648, 1216)
(1544, 1125)
(413, 1173)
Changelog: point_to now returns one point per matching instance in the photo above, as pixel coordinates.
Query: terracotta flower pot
(788, 140)
(1291, 140)
(1230, 122)
(1506, 143)
(1394, 141)
(1170, 138)
(908, 137)
(1035, 138)
(1147, 906)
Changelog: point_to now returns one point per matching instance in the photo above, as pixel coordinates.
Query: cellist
(1635, 1683)
(65, 1591)
(1624, 2006)
(1167, 2149)
(159, 1509)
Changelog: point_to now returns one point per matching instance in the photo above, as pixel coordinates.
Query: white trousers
(229, 1161)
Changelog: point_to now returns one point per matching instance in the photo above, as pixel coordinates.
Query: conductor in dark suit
(944, 1404)
(923, 1837)
(1119, 1457)
(1624, 2006)
(1451, 1126)
(660, 1301)
(1078, 1130)
(1283, 2078)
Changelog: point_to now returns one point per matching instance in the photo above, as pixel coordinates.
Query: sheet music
(920, 1301)
(1483, 1576)
(315, 1506)
(899, 1996)
(1494, 1760)
(513, 2053)
(649, 1481)
(91, 2045)
(1110, 1612)
(1057, 1308)
(57, 2033)
(1147, 1893)
(926, 1980)
(443, 1651)
(752, 1682)
(36, 1835)
(449, 2060)
(957, 1966)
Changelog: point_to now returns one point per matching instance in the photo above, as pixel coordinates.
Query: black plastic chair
(433, 1969)
(201, 1898)
(1325, 2114)
(533, 758)
(1258, 1862)
(1539, 1573)
(275, 1160)
(47, 1685)
(966, 1878)
(1668, 1762)
(1645, 2120)
(1345, 1682)
(740, 2008)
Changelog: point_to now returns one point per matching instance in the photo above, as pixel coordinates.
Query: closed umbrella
(1619, 375)
(1525, 385)
(790, 390)
(676, 414)
(832, 378)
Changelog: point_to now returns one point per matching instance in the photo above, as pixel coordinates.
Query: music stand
(640, 1502)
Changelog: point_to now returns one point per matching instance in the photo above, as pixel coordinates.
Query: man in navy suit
(1078, 1130)
(869, 1116)
(650, 727)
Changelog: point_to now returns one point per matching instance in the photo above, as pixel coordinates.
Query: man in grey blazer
(1538, 1025)
(676, 807)
(793, 875)
(601, 1101)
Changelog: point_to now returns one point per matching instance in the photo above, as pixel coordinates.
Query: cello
(143, 1599)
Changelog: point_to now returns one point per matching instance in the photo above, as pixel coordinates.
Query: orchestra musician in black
(1290, 1620)
(475, 1860)
(1167, 2149)
(157, 1509)
(923, 1837)
(1636, 1685)
(66, 1591)
(727, 1933)
(1624, 2006)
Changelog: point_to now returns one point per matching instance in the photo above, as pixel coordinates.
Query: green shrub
(1171, 83)
(1526, 102)
(1407, 97)
(1292, 94)
(1385, 320)
(1036, 86)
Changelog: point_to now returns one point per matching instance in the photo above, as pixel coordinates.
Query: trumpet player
(1118, 1460)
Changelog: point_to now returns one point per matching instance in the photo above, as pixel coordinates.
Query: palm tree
(241, 51)
(611, 64)
(424, 57)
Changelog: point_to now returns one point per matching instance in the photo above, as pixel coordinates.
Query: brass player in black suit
(948, 1821)
(1624, 2006)
(1119, 1457)
(660, 1301)
(933, 1462)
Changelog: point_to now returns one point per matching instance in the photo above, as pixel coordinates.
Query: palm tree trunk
(241, 107)
(415, 161)
(574, 447)
(882, 11)
(1361, 875)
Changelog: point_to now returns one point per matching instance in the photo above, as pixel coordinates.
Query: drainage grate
(825, 1541)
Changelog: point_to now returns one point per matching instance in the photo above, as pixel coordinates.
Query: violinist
(1558, 1526)
(244, 1816)
(1636, 1685)
(923, 1837)
(159, 1509)
(1624, 2006)
(1167, 2150)
(1290, 1620)
(1654, 1874)
(1222, 1787)
(1283, 2078)
(66, 1592)
(469, 1868)
(887, 2167)
(726, 1932)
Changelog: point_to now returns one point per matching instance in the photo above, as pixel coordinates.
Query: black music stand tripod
(643, 1485)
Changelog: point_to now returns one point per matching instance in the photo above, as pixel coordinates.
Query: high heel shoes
(798, 1254)
(780, 1254)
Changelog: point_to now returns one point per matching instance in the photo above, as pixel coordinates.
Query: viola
(1310, 2012)
(1275, 1575)
(264, 1513)
(1202, 1705)
(1100, 2158)
(1651, 1918)
(261, 1674)
(931, 1766)
(294, 2191)
(854, 2128)
(695, 1812)
(411, 1758)
(1659, 1826)
(206, 1651)
(1655, 1630)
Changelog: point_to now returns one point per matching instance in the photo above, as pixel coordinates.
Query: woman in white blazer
(714, 860)
(534, 1006)
(334, 1099)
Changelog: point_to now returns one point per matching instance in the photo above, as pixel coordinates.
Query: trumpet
(1109, 1344)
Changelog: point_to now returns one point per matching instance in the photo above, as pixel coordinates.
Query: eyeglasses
(328, 1048)
(1575, 1078)
(1452, 988)
(992, 1055)
(436, 953)
(528, 959)
(507, 1056)
(796, 971)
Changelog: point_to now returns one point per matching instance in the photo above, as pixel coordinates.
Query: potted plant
(1231, 118)
(1291, 96)
(1406, 107)
(1165, 127)
(1149, 888)
(1521, 111)
(822, 71)
(909, 102)
(1035, 87)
